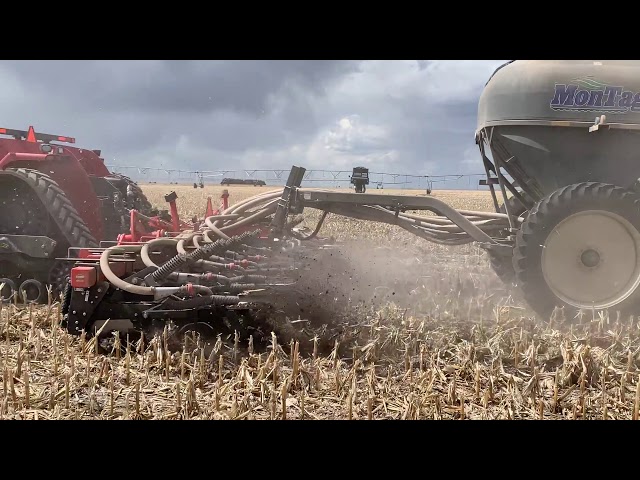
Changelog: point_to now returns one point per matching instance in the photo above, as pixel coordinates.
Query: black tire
(503, 265)
(143, 205)
(543, 219)
(62, 212)
(21, 213)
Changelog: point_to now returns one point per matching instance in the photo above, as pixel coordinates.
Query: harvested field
(432, 334)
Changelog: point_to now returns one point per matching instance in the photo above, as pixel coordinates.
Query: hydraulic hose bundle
(250, 259)
(435, 228)
(209, 249)
(205, 258)
(175, 266)
(201, 253)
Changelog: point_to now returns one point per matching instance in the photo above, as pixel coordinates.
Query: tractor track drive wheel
(579, 248)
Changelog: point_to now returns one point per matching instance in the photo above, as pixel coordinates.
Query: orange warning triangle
(31, 135)
(209, 212)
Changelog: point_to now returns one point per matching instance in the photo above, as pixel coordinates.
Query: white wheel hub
(592, 259)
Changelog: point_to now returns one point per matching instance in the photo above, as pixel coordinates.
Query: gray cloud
(398, 116)
(177, 85)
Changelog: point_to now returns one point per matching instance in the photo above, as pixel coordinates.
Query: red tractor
(55, 196)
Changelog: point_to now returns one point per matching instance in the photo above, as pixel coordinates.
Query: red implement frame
(143, 228)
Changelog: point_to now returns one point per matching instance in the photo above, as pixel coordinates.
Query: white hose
(144, 252)
(114, 279)
(189, 238)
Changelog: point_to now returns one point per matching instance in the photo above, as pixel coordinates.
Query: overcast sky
(405, 116)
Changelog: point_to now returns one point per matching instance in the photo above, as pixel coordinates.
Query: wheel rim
(200, 328)
(32, 291)
(8, 289)
(591, 259)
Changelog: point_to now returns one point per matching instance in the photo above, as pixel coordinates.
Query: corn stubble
(463, 348)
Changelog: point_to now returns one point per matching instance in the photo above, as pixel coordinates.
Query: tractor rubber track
(544, 216)
(54, 200)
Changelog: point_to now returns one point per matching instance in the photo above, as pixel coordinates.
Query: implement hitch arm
(283, 209)
(449, 226)
(330, 200)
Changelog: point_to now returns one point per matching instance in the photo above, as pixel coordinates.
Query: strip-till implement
(247, 269)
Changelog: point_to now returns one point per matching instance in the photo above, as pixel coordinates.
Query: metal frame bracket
(600, 122)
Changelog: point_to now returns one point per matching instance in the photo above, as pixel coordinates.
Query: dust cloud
(336, 287)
